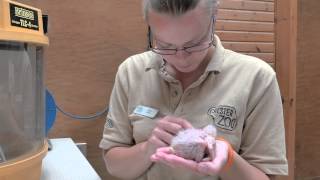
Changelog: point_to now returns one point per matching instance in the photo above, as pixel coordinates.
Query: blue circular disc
(51, 111)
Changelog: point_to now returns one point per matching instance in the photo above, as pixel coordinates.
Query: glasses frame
(175, 50)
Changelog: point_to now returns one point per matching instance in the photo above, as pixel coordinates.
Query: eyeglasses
(201, 46)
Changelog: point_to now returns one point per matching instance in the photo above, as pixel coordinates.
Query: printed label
(224, 117)
(23, 17)
(146, 111)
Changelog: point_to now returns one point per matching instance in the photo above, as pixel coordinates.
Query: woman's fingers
(166, 150)
(162, 135)
(182, 122)
(154, 143)
(215, 166)
(166, 128)
(173, 160)
(166, 156)
(209, 168)
(170, 127)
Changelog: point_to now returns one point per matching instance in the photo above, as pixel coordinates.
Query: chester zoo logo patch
(224, 117)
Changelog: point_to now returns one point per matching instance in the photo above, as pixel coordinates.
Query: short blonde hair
(176, 7)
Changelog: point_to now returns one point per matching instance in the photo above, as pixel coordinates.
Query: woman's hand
(214, 166)
(166, 128)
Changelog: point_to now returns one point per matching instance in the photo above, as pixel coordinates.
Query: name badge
(146, 111)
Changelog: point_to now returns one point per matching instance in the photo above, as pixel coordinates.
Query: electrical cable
(87, 117)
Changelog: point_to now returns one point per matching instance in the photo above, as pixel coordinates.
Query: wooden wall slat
(247, 26)
(254, 47)
(268, 57)
(245, 36)
(242, 15)
(272, 65)
(247, 5)
(262, 0)
(230, 25)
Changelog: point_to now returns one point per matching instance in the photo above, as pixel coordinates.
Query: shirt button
(175, 93)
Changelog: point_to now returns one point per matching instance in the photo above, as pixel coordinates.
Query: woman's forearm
(242, 170)
(127, 162)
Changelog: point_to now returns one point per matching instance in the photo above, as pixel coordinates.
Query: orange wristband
(230, 155)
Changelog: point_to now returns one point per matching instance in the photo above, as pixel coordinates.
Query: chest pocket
(142, 127)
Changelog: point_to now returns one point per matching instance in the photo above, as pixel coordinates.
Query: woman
(188, 80)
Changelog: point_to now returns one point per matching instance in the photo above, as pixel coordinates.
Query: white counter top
(66, 162)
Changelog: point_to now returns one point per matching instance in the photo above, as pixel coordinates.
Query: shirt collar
(155, 61)
(217, 59)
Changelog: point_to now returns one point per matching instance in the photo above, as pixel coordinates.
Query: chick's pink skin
(190, 144)
(195, 144)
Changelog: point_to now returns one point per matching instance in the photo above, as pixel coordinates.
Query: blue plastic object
(51, 111)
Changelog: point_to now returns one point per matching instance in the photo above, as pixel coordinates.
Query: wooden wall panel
(245, 36)
(247, 26)
(308, 92)
(243, 15)
(268, 57)
(253, 47)
(248, 5)
(264, 0)
(88, 40)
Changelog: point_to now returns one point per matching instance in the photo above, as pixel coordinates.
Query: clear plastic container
(22, 129)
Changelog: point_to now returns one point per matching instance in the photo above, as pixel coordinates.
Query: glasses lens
(197, 48)
(164, 51)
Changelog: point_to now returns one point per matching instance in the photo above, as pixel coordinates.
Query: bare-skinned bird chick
(195, 144)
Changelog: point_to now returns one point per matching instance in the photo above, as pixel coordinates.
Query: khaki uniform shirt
(237, 93)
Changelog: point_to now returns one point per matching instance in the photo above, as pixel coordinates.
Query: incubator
(22, 93)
